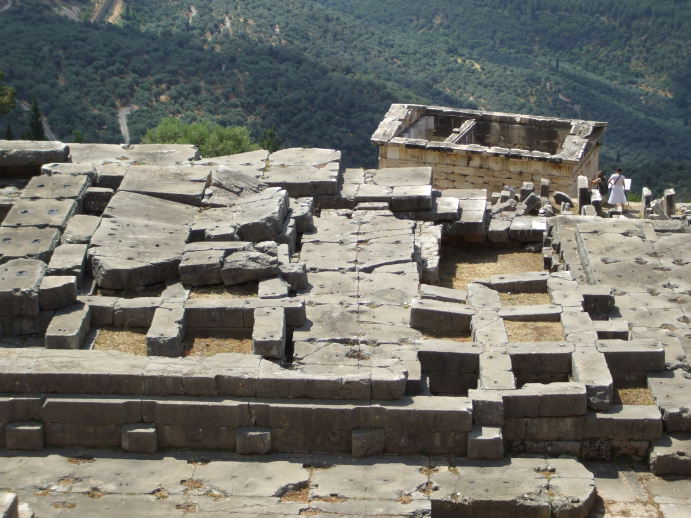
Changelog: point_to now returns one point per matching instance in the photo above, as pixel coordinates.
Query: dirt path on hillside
(123, 112)
(5, 5)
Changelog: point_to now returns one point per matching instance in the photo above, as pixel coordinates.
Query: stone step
(485, 442)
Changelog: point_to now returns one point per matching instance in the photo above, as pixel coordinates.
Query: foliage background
(323, 72)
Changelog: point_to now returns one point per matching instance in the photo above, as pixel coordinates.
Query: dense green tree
(9, 134)
(270, 140)
(36, 131)
(210, 138)
(6, 97)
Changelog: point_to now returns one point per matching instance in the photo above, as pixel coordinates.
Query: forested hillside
(325, 71)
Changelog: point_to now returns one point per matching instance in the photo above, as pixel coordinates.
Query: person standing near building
(600, 183)
(617, 195)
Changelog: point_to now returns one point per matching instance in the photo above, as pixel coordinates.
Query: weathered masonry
(469, 149)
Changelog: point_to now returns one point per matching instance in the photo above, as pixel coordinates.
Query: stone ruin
(353, 347)
(471, 149)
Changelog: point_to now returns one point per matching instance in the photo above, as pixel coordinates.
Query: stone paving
(110, 483)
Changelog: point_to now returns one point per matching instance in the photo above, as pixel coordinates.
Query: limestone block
(560, 399)
(612, 329)
(136, 312)
(483, 297)
(671, 456)
(288, 235)
(637, 422)
(20, 281)
(69, 327)
(269, 332)
(633, 355)
(79, 229)
(488, 407)
(139, 438)
(537, 313)
(562, 197)
(273, 288)
(32, 153)
(544, 188)
(221, 313)
(68, 259)
(367, 442)
(528, 228)
(40, 213)
(175, 183)
(70, 168)
(589, 367)
(57, 187)
(167, 331)
(24, 436)
(485, 442)
(442, 294)
(96, 199)
(57, 292)
(597, 300)
(498, 231)
(295, 275)
(527, 282)
(440, 316)
(247, 266)
(102, 309)
(411, 198)
(152, 154)
(253, 440)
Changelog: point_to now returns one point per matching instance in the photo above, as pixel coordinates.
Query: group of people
(615, 185)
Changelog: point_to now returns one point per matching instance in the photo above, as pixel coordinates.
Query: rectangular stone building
(469, 149)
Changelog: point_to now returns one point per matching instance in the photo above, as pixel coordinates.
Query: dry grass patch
(459, 266)
(131, 341)
(519, 331)
(209, 343)
(299, 495)
(239, 291)
(633, 396)
(64, 505)
(524, 299)
(444, 335)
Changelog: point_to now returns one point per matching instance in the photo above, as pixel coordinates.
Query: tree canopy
(6, 97)
(210, 138)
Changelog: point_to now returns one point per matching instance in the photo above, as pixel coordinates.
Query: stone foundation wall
(477, 170)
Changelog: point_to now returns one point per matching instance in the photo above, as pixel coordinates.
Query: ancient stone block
(139, 438)
(69, 327)
(269, 332)
(253, 440)
(57, 292)
(368, 442)
(24, 436)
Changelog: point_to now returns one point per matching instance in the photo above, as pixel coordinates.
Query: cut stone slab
(411, 198)
(20, 281)
(259, 217)
(25, 436)
(485, 442)
(440, 316)
(517, 489)
(79, 229)
(269, 332)
(304, 156)
(589, 366)
(442, 294)
(167, 331)
(69, 327)
(68, 259)
(537, 313)
(180, 184)
(274, 288)
(671, 456)
(40, 213)
(57, 187)
(528, 282)
(401, 176)
(253, 440)
(9, 504)
(75, 169)
(130, 205)
(244, 266)
(528, 229)
(201, 262)
(139, 438)
(57, 292)
(303, 180)
(161, 154)
(32, 153)
(231, 182)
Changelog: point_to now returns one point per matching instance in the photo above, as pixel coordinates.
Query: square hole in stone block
(210, 342)
(526, 331)
(241, 291)
(130, 341)
(460, 265)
